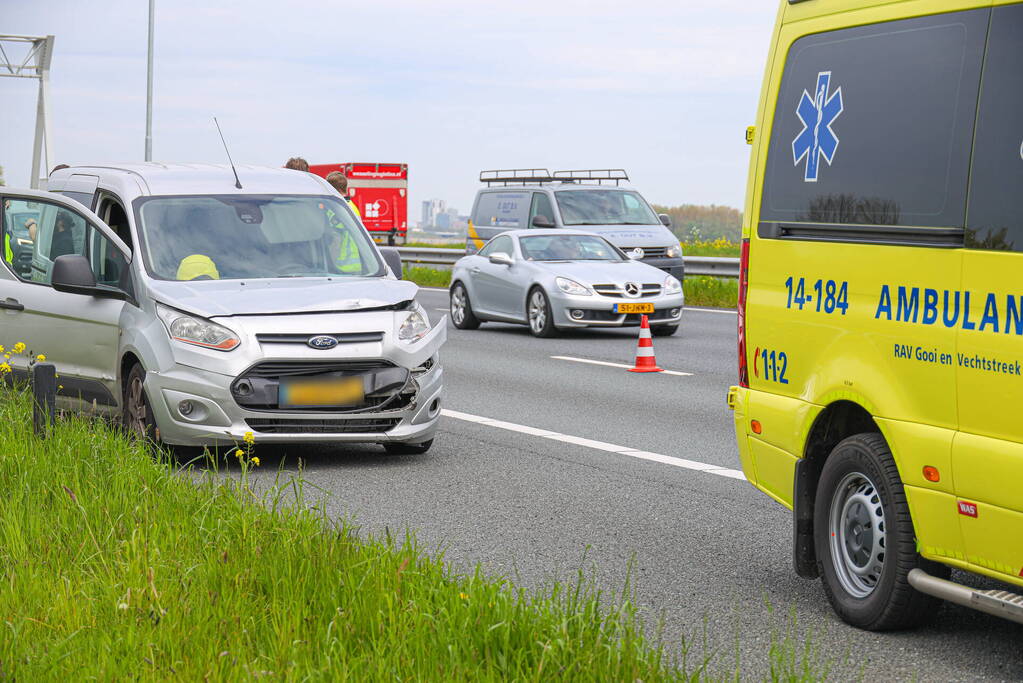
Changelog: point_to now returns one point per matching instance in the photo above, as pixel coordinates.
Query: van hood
(632, 235)
(215, 298)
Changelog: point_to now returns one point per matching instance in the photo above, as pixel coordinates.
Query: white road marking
(441, 309)
(707, 310)
(617, 365)
(434, 289)
(597, 445)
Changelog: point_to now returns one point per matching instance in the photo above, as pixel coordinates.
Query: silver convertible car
(555, 279)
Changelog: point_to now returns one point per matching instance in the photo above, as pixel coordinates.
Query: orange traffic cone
(645, 361)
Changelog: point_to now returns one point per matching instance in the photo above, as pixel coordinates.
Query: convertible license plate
(320, 393)
(634, 308)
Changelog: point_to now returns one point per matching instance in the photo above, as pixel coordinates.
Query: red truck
(381, 193)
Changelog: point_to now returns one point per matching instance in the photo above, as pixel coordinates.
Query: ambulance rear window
(873, 124)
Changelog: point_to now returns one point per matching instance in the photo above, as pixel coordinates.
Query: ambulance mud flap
(804, 492)
(999, 603)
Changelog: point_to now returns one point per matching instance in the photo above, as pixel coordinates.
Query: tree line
(699, 223)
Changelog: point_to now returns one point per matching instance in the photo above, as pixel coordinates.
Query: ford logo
(322, 342)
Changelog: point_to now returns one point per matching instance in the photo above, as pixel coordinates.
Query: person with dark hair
(339, 182)
(63, 241)
(297, 164)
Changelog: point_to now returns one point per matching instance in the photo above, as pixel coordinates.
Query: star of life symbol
(817, 140)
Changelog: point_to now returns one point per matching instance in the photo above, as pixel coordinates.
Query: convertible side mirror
(501, 259)
(542, 222)
(73, 274)
(393, 260)
(665, 219)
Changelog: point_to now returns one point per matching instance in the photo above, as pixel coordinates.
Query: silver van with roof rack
(593, 200)
(198, 308)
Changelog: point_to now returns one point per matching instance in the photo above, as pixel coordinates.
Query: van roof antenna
(237, 183)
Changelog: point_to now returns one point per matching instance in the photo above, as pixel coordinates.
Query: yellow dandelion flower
(41, 357)
(239, 453)
(464, 596)
(4, 368)
(19, 347)
(255, 461)
(2, 349)
(249, 437)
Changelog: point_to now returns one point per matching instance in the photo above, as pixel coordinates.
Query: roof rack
(598, 175)
(517, 176)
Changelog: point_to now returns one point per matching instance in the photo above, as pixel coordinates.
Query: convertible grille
(648, 290)
(299, 426)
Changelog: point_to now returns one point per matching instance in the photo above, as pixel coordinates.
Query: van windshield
(252, 236)
(604, 207)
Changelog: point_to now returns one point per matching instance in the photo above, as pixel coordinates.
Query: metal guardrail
(716, 266)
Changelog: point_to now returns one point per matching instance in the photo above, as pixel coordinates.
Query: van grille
(292, 368)
(299, 426)
(649, 252)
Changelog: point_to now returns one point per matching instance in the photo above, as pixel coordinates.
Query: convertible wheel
(136, 415)
(538, 310)
(461, 310)
(865, 542)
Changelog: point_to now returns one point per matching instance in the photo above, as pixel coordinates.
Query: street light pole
(149, 89)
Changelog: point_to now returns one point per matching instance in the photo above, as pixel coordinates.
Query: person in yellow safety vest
(339, 182)
(197, 267)
(343, 244)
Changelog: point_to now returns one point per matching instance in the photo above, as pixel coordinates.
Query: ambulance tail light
(743, 286)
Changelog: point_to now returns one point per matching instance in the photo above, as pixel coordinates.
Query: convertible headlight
(414, 328)
(572, 287)
(674, 251)
(198, 331)
(672, 285)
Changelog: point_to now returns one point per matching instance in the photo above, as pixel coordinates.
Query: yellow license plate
(320, 393)
(634, 308)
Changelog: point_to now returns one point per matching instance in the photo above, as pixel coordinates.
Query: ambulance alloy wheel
(461, 310)
(864, 538)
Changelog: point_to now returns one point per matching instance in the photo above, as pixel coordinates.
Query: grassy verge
(718, 247)
(438, 245)
(114, 566)
(700, 290)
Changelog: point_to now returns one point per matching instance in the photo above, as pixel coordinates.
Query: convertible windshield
(568, 248)
(253, 236)
(604, 207)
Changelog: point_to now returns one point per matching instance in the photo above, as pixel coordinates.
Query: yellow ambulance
(880, 391)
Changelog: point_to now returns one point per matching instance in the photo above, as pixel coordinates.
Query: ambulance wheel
(461, 310)
(408, 448)
(663, 330)
(136, 413)
(864, 539)
(538, 312)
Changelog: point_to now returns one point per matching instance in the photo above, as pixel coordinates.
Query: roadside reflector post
(44, 397)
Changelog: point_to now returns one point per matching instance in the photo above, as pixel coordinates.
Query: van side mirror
(73, 274)
(393, 260)
(665, 219)
(542, 222)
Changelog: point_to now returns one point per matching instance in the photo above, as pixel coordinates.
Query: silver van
(589, 200)
(198, 307)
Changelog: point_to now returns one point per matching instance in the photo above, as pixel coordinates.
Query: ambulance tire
(864, 538)
(461, 309)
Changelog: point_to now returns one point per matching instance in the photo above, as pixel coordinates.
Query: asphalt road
(709, 554)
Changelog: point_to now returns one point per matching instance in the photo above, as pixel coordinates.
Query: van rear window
(873, 124)
(502, 209)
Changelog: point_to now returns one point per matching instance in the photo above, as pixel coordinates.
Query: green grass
(114, 566)
(700, 290)
(431, 245)
(718, 247)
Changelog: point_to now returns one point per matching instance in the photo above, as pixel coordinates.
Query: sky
(661, 88)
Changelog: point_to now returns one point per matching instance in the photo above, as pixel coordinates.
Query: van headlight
(572, 287)
(414, 327)
(674, 251)
(198, 331)
(672, 285)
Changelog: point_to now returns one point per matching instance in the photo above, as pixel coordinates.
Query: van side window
(995, 220)
(541, 207)
(502, 210)
(873, 124)
(116, 218)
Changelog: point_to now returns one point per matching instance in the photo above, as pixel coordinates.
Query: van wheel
(538, 312)
(864, 538)
(461, 310)
(408, 448)
(136, 414)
